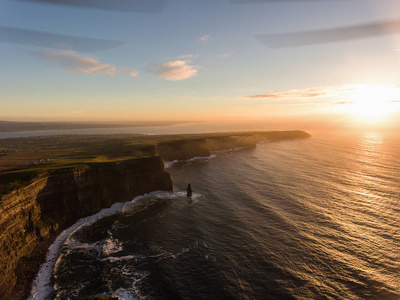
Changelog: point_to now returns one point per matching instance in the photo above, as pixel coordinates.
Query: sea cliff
(186, 147)
(82, 176)
(31, 216)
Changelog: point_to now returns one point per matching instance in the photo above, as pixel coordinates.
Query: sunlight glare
(373, 103)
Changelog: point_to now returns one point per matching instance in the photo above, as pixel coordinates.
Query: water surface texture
(302, 219)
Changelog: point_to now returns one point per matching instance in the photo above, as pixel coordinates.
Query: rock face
(31, 217)
(183, 149)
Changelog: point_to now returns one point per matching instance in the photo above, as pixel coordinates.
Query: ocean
(314, 218)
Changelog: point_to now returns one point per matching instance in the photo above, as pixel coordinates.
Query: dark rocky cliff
(31, 217)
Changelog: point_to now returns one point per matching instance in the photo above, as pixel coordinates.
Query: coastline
(40, 288)
(36, 215)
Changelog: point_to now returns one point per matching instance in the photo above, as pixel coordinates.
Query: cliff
(183, 148)
(31, 216)
(33, 212)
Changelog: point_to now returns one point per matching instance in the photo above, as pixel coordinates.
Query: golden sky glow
(196, 62)
(372, 103)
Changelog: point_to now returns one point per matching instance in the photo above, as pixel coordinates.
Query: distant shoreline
(10, 126)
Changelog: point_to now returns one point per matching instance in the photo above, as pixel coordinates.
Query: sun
(373, 103)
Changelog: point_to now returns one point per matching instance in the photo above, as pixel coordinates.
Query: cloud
(224, 55)
(204, 38)
(189, 56)
(309, 93)
(175, 70)
(75, 62)
(134, 73)
(345, 102)
(330, 35)
(52, 40)
(154, 6)
(128, 71)
(200, 98)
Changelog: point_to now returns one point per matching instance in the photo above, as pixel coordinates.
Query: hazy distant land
(9, 126)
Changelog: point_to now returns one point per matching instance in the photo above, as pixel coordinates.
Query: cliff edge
(201, 145)
(33, 215)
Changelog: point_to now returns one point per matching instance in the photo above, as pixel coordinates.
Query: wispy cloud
(205, 38)
(175, 70)
(344, 102)
(153, 6)
(128, 71)
(315, 92)
(330, 35)
(199, 98)
(52, 40)
(189, 56)
(75, 62)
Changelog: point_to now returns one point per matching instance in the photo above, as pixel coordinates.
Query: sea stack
(189, 191)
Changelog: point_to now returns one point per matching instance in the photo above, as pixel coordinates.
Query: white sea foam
(169, 164)
(111, 246)
(42, 287)
(132, 293)
(213, 155)
(184, 194)
(229, 150)
(127, 257)
(124, 294)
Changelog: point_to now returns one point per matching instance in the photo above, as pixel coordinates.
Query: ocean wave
(122, 258)
(42, 287)
(230, 150)
(214, 154)
(134, 292)
(289, 221)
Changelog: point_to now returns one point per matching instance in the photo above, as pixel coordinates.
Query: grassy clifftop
(22, 159)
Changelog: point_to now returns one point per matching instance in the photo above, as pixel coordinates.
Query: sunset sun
(373, 103)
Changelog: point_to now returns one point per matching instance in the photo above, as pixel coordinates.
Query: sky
(191, 60)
